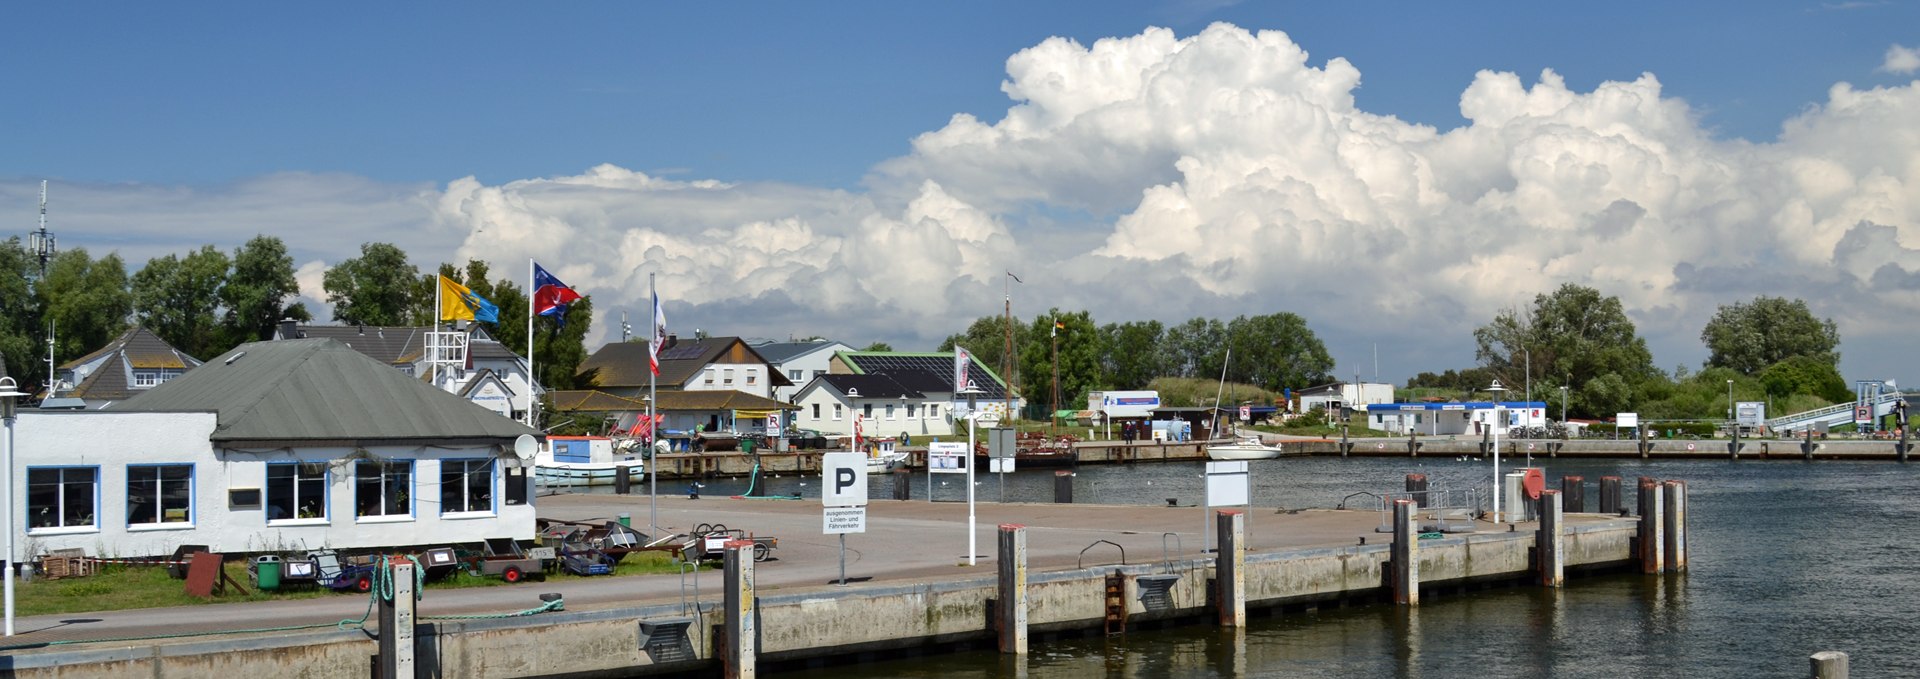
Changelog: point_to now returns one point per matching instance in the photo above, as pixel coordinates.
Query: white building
(282, 445)
(1434, 419)
(888, 405)
(699, 364)
(1344, 395)
(129, 365)
(799, 361)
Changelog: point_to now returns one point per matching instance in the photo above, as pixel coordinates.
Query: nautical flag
(1057, 327)
(457, 302)
(550, 296)
(659, 335)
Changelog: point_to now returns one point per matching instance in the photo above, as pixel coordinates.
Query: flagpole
(433, 331)
(653, 425)
(530, 379)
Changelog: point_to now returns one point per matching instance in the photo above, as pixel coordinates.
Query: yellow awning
(754, 413)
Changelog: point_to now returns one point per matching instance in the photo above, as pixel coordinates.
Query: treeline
(208, 301)
(1273, 352)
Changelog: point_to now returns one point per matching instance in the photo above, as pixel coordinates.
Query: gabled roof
(870, 386)
(111, 376)
(321, 392)
(625, 364)
(781, 352)
(938, 364)
(483, 376)
(588, 400)
(400, 345)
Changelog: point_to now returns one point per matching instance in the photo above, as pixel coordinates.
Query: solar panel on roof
(682, 351)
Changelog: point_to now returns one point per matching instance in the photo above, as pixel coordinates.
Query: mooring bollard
(622, 481)
(1652, 543)
(1806, 446)
(1733, 446)
(396, 622)
(1417, 487)
(1646, 447)
(1230, 565)
(1548, 541)
(1406, 555)
(1675, 495)
(902, 484)
(1062, 487)
(1610, 495)
(1829, 665)
(1011, 611)
(1573, 493)
(742, 650)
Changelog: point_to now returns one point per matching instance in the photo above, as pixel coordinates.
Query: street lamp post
(1730, 423)
(1498, 419)
(973, 414)
(9, 391)
(1563, 408)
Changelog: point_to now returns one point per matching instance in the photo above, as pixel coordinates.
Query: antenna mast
(43, 250)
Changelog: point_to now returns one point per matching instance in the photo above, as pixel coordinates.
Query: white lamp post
(1730, 424)
(853, 415)
(8, 392)
(973, 394)
(1498, 420)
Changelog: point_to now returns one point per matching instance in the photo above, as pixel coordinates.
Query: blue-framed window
(62, 497)
(159, 494)
(296, 490)
(383, 488)
(466, 486)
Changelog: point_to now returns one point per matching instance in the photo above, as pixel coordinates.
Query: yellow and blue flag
(457, 302)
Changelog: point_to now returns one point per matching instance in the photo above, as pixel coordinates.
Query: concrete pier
(1406, 555)
(1010, 613)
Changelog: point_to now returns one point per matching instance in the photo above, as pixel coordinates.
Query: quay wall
(827, 622)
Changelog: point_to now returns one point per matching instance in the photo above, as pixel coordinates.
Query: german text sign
(1227, 483)
(948, 458)
(842, 520)
(843, 480)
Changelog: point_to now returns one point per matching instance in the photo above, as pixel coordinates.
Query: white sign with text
(843, 480)
(843, 520)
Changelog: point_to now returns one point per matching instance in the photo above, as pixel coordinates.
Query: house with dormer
(131, 364)
(718, 386)
(896, 392)
(491, 375)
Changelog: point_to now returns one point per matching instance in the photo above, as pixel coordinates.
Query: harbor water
(1787, 558)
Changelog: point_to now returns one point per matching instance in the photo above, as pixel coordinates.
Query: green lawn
(120, 587)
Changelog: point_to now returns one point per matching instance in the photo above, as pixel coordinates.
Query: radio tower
(43, 249)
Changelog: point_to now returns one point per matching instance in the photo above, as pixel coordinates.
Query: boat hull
(1242, 453)
(578, 474)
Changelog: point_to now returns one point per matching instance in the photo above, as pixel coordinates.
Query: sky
(1397, 174)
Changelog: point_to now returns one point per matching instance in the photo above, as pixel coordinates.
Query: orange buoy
(1533, 483)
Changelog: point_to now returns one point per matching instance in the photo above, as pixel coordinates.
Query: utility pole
(1006, 357)
(1054, 406)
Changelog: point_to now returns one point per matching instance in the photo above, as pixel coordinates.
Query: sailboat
(1244, 447)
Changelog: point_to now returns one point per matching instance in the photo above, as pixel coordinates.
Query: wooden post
(1674, 493)
(1062, 487)
(1829, 665)
(1417, 489)
(1011, 612)
(1230, 565)
(1610, 495)
(1806, 447)
(1573, 493)
(741, 655)
(1406, 555)
(902, 484)
(1652, 543)
(1548, 541)
(1733, 446)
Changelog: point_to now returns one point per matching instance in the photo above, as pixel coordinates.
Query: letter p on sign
(844, 480)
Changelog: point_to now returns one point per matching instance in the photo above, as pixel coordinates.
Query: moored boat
(1245, 448)
(588, 461)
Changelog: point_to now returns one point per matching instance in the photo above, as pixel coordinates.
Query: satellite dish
(525, 446)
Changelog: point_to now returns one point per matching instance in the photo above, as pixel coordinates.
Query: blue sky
(856, 169)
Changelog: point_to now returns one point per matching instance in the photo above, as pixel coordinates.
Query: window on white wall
(708, 376)
(753, 377)
(910, 408)
(145, 379)
(889, 411)
(296, 490)
(866, 410)
(816, 411)
(383, 488)
(836, 412)
(933, 411)
(61, 497)
(728, 378)
(793, 375)
(466, 486)
(159, 494)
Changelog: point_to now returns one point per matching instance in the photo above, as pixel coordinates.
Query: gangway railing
(1834, 414)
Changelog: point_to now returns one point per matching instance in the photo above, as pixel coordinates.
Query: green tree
(376, 288)
(561, 349)
(1078, 343)
(1130, 353)
(1805, 375)
(87, 300)
(1195, 348)
(1575, 336)
(177, 298)
(256, 292)
(986, 339)
(1749, 336)
(878, 346)
(1275, 351)
(22, 331)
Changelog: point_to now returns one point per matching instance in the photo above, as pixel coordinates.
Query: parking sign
(843, 480)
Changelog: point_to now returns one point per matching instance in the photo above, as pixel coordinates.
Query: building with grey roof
(799, 361)
(405, 348)
(277, 445)
(129, 365)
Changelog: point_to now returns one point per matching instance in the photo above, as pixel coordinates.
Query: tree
(376, 288)
(1194, 348)
(878, 346)
(177, 298)
(1805, 375)
(1276, 351)
(1749, 336)
(87, 300)
(1575, 336)
(986, 339)
(1130, 353)
(1079, 358)
(562, 349)
(257, 290)
(22, 331)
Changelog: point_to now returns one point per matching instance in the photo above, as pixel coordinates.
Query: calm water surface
(1788, 558)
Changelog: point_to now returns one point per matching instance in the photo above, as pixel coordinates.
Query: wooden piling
(739, 658)
(1548, 542)
(1062, 487)
(1674, 493)
(1573, 493)
(1417, 489)
(1610, 495)
(1406, 555)
(1011, 611)
(1652, 543)
(1230, 567)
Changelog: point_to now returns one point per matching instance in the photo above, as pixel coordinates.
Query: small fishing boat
(882, 458)
(589, 460)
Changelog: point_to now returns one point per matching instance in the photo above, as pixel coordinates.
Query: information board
(948, 458)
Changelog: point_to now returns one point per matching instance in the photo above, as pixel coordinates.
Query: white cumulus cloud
(1901, 60)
